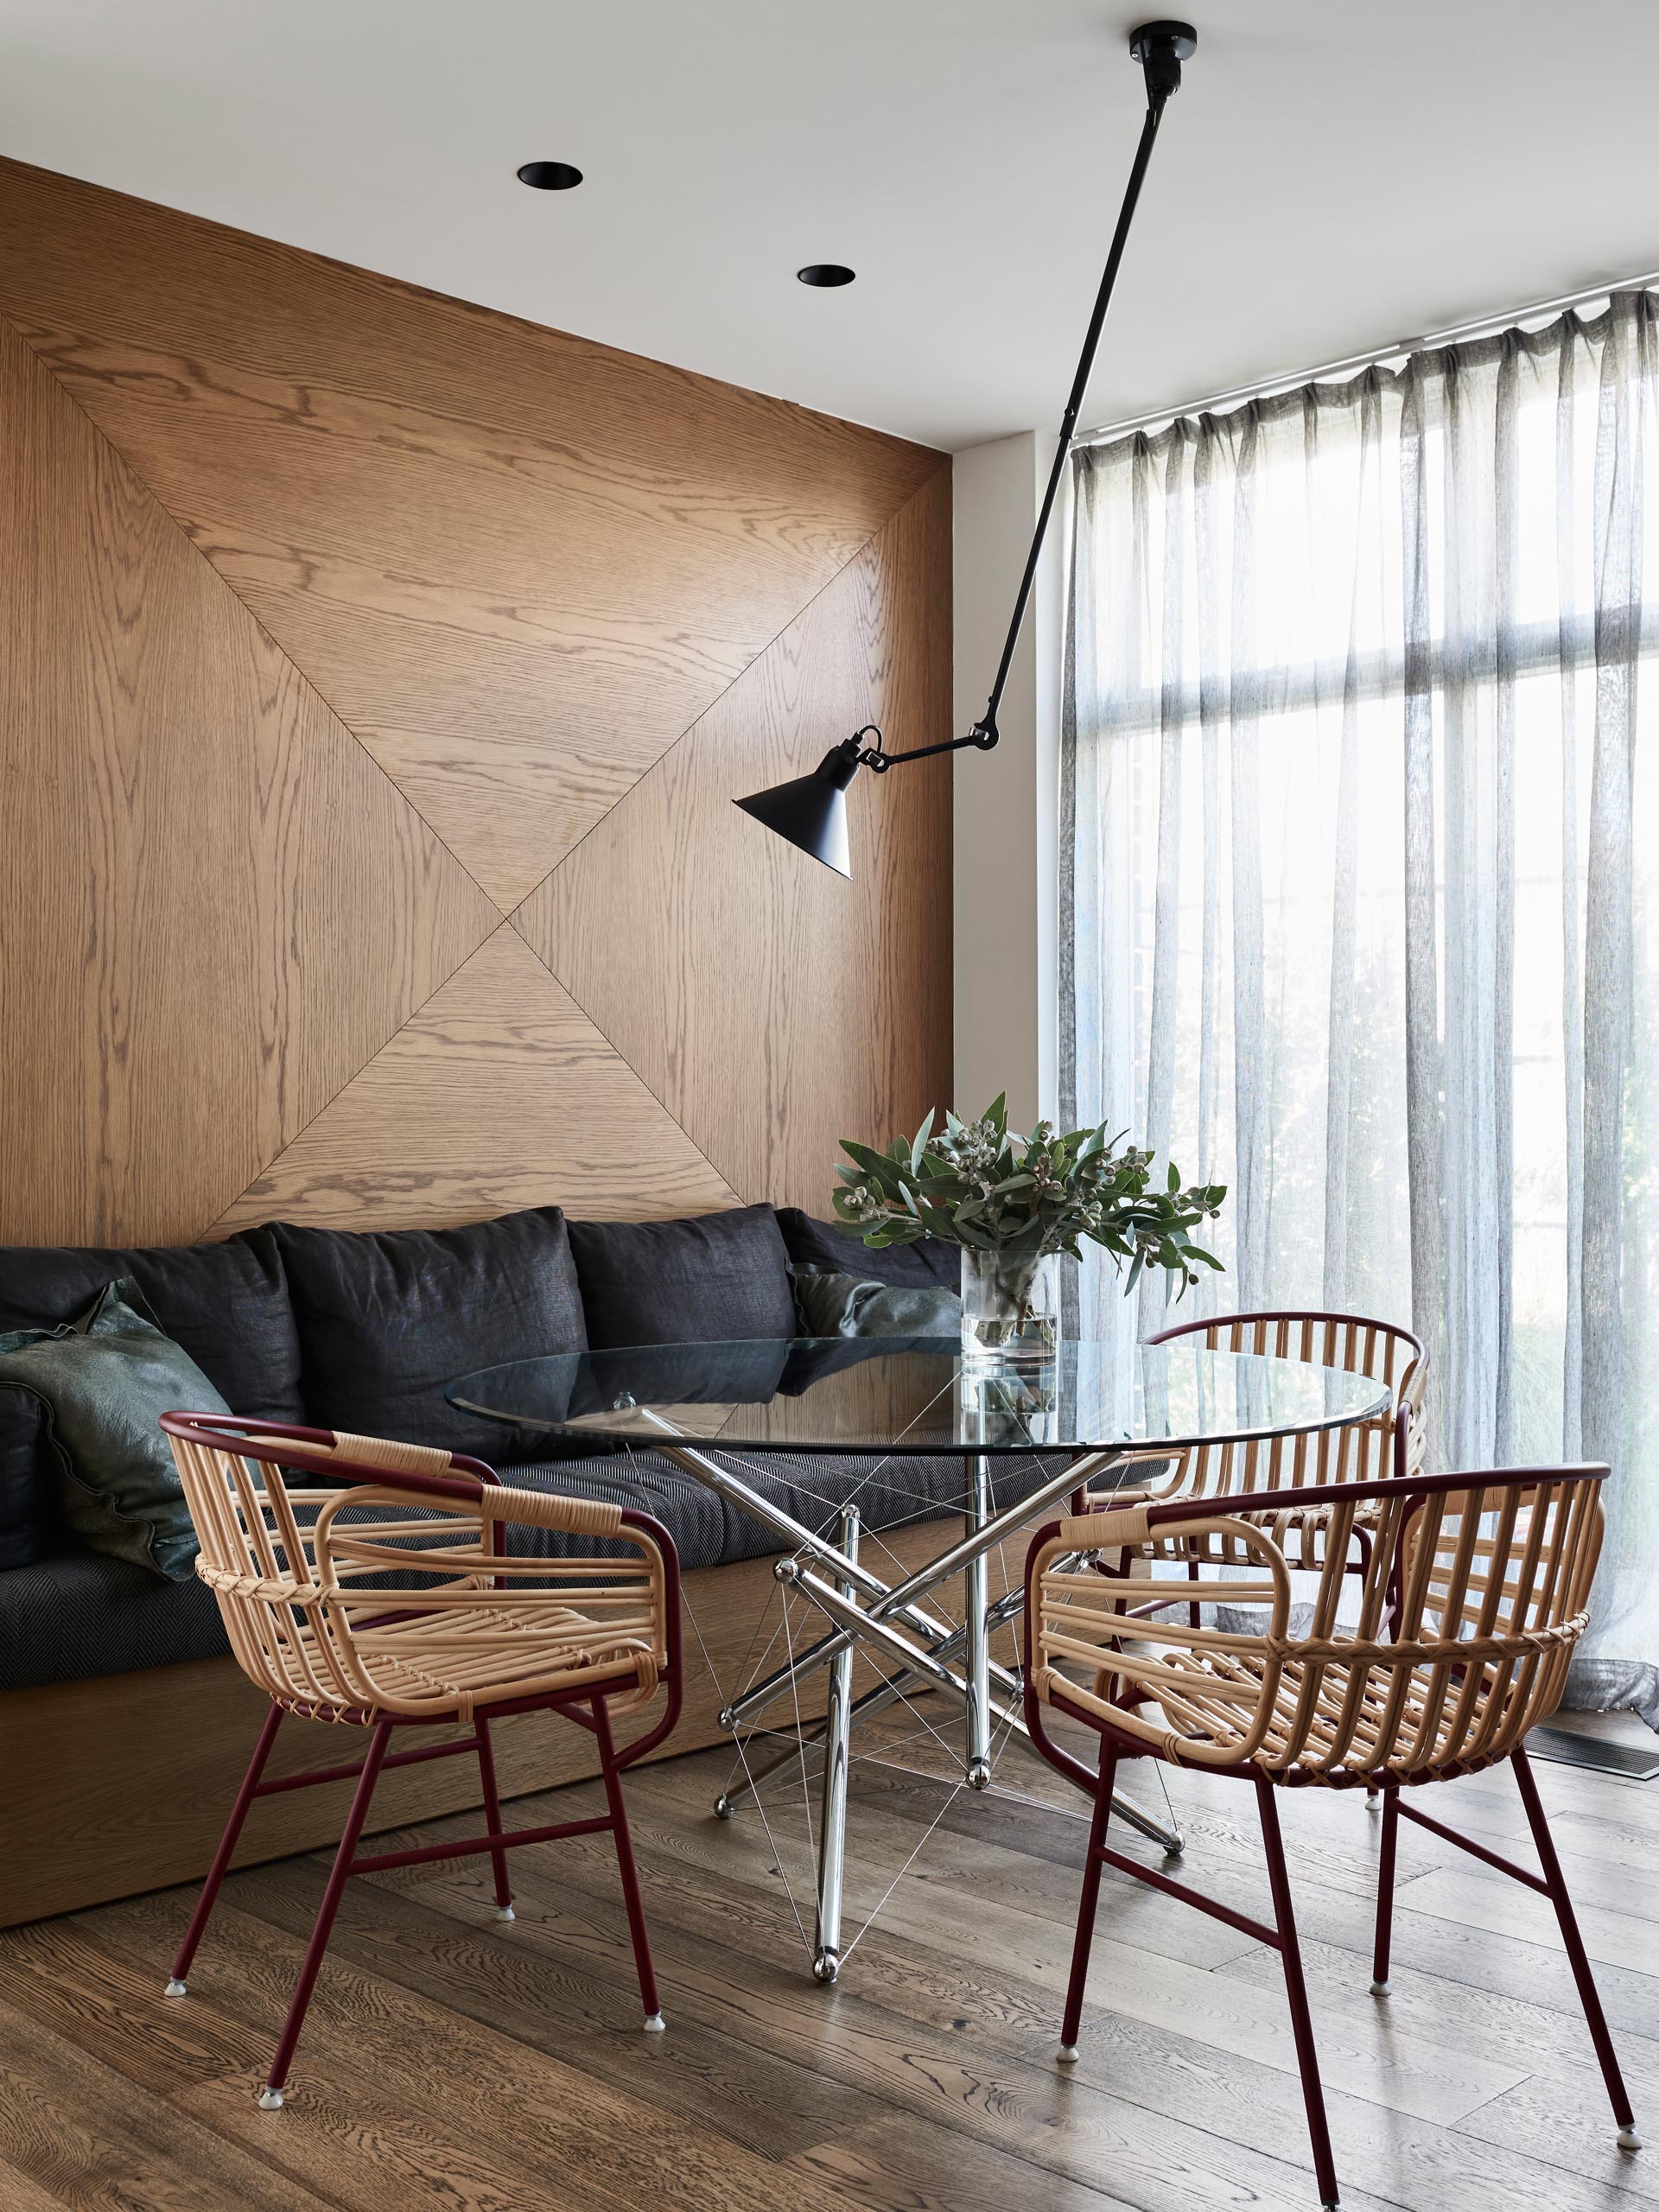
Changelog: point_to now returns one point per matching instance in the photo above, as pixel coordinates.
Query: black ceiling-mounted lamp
(811, 811)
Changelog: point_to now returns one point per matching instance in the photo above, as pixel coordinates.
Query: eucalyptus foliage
(980, 1183)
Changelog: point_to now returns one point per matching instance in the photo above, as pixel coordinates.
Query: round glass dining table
(1090, 1420)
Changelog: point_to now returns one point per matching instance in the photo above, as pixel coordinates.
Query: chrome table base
(891, 1626)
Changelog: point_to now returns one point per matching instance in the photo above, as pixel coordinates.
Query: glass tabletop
(878, 1394)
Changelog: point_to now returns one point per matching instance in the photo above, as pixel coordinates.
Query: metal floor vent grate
(1636, 1763)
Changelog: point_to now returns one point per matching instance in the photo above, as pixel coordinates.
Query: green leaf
(919, 1143)
(872, 1162)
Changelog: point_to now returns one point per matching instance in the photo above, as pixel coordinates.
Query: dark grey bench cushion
(67, 1618)
(810, 1487)
(387, 1318)
(718, 1277)
(226, 1304)
(72, 1617)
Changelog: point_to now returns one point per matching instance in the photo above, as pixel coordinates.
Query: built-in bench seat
(122, 1721)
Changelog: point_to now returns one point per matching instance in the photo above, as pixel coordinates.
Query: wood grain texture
(499, 1093)
(774, 1007)
(516, 564)
(515, 568)
(106, 1793)
(452, 2065)
(213, 907)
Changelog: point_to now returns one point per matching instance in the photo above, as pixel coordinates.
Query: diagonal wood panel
(517, 564)
(500, 1093)
(774, 1007)
(214, 907)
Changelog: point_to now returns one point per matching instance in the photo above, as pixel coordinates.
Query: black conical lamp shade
(811, 811)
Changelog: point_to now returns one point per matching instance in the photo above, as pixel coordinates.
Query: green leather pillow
(105, 1380)
(849, 1305)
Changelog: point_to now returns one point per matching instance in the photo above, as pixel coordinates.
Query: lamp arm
(1155, 105)
(985, 733)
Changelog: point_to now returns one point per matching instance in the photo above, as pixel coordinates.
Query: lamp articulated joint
(854, 754)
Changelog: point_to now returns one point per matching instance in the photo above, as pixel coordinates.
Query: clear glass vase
(1010, 1308)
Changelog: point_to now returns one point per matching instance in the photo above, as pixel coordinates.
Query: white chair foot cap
(1629, 2139)
(271, 2100)
(1379, 1989)
(655, 2024)
(175, 1988)
(505, 1912)
(1067, 2054)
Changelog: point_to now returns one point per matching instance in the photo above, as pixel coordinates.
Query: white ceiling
(1334, 174)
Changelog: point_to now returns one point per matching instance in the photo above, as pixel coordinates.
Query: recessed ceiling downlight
(550, 176)
(825, 276)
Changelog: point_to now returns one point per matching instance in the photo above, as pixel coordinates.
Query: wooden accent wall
(376, 674)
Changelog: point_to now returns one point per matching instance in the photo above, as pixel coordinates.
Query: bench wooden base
(123, 1783)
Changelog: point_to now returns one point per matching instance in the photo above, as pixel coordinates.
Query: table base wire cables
(789, 1705)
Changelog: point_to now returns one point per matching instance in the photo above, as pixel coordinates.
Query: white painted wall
(1006, 801)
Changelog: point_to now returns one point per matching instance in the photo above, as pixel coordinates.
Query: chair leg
(1085, 1936)
(1301, 2019)
(1385, 1893)
(227, 1843)
(271, 2098)
(493, 1815)
(627, 1870)
(1595, 2018)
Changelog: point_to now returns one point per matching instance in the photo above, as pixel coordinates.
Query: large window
(1361, 910)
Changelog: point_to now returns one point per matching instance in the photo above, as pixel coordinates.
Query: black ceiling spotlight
(550, 176)
(811, 811)
(825, 275)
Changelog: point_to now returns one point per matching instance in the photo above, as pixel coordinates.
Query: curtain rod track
(1352, 364)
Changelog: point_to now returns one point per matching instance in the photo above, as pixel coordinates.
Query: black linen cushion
(27, 1469)
(387, 1318)
(226, 1304)
(718, 1277)
(107, 1379)
(831, 1249)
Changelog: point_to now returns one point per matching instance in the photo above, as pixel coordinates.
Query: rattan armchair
(1391, 1443)
(1473, 1594)
(366, 1583)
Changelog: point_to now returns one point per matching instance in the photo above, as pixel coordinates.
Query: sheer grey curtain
(1361, 896)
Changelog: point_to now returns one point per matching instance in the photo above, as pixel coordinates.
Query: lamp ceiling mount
(1145, 36)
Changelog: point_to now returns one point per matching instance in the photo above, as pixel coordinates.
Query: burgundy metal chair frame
(1457, 1683)
(468, 1481)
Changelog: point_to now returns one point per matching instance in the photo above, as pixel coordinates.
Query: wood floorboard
(1015, 2019)
(87, 2136)
(453, 2063)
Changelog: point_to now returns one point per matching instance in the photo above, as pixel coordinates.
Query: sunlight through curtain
(1361, 882)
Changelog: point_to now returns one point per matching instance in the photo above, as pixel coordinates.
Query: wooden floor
(453, 2064)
